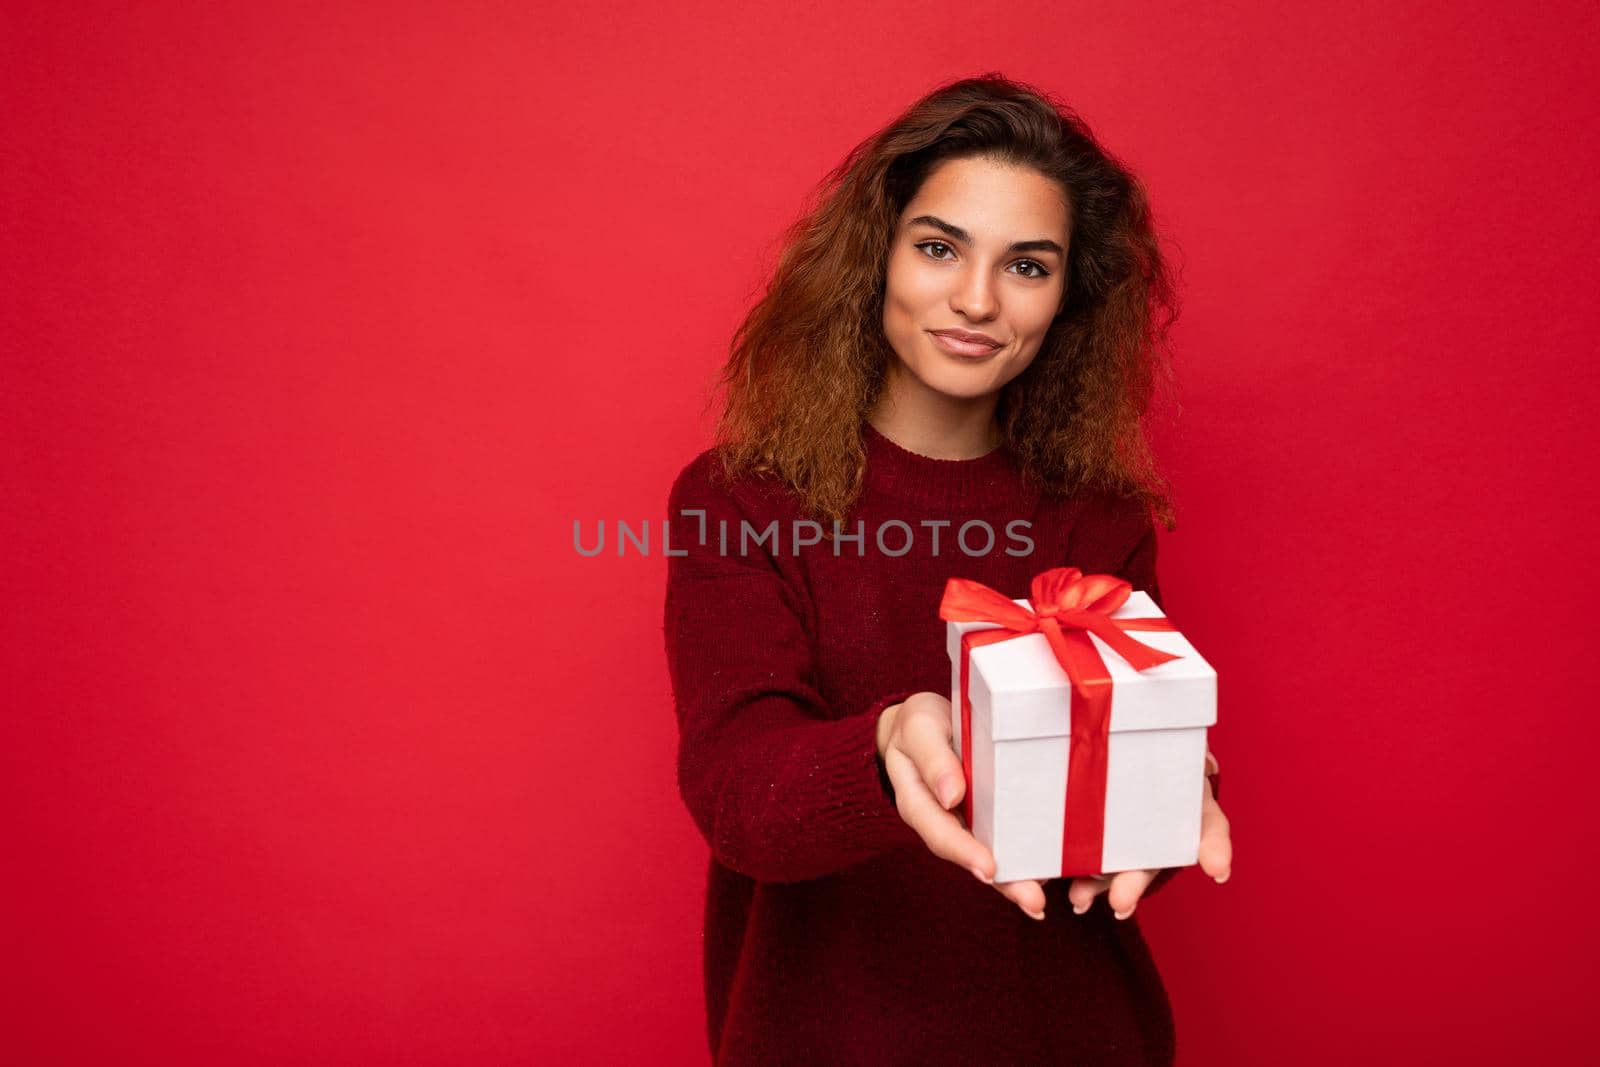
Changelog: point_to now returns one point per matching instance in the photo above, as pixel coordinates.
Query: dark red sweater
(832, 935)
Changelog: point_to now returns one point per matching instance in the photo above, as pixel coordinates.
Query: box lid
(1027, 690)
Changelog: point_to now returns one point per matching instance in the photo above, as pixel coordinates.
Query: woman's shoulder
(707, 484)
(1105, 522)
(1097, 507)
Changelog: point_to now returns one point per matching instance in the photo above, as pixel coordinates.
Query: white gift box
(1021, 700)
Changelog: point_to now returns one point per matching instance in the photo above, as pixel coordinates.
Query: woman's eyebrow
(1038, 244)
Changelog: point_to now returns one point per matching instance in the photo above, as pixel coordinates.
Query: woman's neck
(935, 425)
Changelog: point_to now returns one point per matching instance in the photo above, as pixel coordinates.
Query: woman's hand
(914, 740)
(1124, 888)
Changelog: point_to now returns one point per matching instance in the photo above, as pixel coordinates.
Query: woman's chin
(949, 379)
(968, 386)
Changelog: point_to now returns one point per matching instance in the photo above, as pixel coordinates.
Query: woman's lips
(965, 349)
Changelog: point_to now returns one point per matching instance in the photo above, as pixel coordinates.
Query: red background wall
(322, 324)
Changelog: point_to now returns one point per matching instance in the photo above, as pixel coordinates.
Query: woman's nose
(975, 295)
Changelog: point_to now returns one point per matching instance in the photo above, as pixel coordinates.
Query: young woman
(961, 338)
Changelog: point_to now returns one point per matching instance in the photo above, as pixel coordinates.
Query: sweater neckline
(992, 479)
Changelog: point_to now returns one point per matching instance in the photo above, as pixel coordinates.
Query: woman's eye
(933, 250)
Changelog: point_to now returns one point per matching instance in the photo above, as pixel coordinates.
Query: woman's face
(981, 248)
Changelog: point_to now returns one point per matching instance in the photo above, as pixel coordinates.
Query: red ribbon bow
(1067, 606)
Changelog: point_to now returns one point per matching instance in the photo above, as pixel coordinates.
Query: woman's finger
(922, 731)
(946, 838)
(939, 829)
(1216, 845)
(1027, 894)
(1126, 889)
(1083, 891)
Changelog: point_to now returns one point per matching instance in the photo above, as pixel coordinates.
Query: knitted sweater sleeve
(781, 788)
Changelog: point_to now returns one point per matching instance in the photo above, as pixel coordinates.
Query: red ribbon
(1068, 605)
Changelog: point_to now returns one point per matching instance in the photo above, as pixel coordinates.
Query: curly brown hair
(809, 360)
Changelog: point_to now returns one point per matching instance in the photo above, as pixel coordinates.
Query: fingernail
(1224, 877)
(1079, 909)
(1123, 914)
(947, 790)
(1036, 914)
(980, 876)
